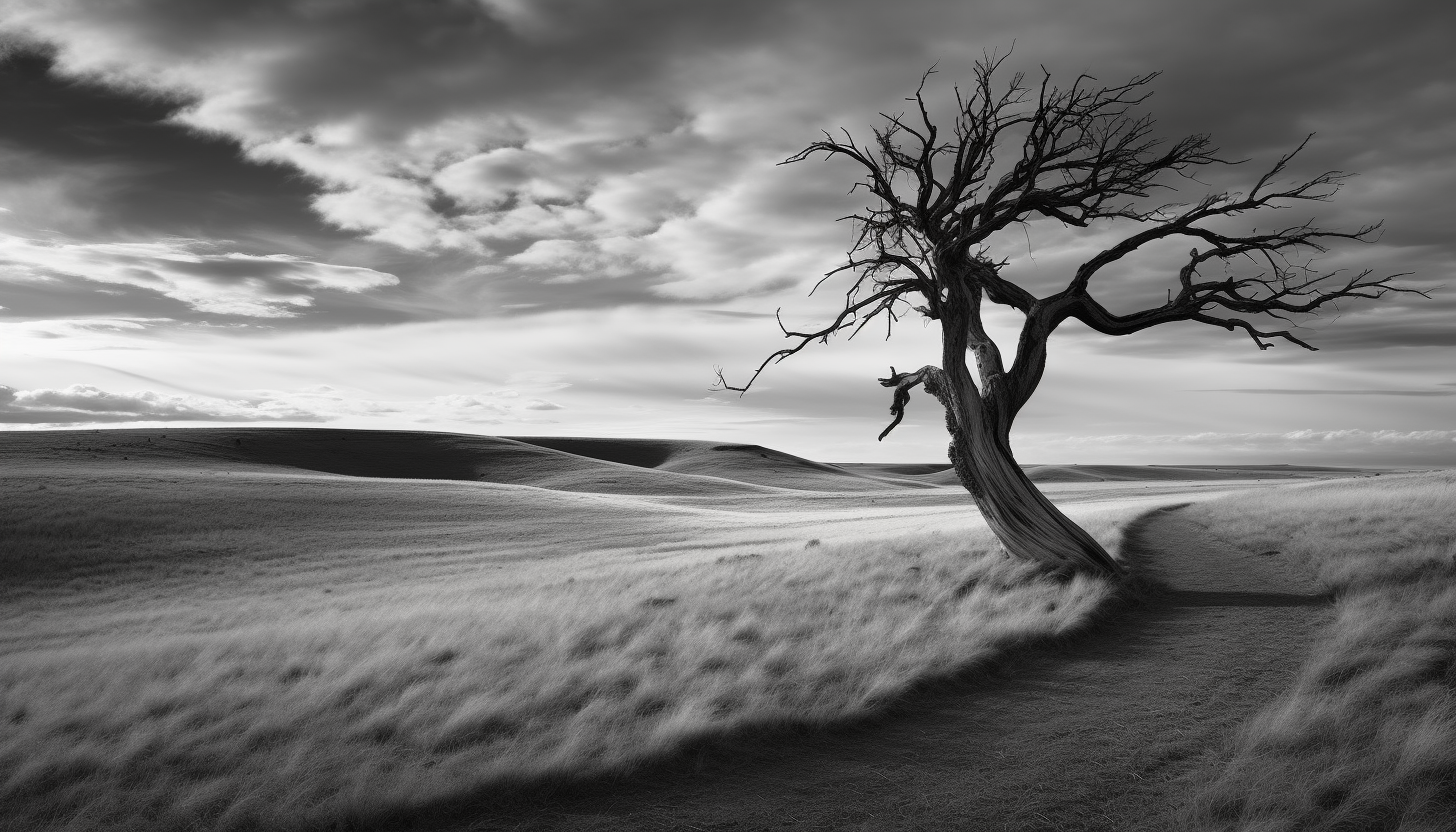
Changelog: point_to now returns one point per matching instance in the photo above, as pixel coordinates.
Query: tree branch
(880, 302)
(930, 376)
(1082, 155)
(1283, 291)
(1185, 223)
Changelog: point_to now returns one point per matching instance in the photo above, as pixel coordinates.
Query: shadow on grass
(1022, 736)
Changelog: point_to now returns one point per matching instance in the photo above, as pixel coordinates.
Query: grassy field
(194, 641)
(1367, 737)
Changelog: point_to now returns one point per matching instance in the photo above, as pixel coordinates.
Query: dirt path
(1105, 732)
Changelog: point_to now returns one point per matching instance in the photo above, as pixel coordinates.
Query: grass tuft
(391, 700)
(1366, 739)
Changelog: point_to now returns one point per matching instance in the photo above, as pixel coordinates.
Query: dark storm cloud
(403, 64)
(81, 162)
(154, 178)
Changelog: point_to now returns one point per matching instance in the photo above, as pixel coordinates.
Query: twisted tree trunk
(978, 419)
(1027, 523)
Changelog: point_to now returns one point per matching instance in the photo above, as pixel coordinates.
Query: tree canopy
(1079, 156)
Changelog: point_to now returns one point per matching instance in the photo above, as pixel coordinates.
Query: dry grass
(1367, 737)
(423, 681)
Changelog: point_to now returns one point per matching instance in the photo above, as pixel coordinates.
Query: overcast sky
(557, 217)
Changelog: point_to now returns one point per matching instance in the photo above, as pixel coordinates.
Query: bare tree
(1077, 156)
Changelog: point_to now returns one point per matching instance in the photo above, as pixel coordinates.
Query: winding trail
(1107, 731)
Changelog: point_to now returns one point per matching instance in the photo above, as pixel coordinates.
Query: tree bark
(1025, 521)
(979, 419)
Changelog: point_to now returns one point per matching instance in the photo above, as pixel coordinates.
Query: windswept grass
(1367, 737)
(454, 686)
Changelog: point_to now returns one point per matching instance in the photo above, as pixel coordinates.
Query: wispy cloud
(81, 404)
(190, 271)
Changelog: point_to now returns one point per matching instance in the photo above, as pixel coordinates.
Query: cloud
(227, 283)
(488, 408)
(644, 133)
(513, 162)
(77, 327)
(573, 261)
(494, 407)
(734, 313)
(84, 404)
(457, 101)
(42, 194)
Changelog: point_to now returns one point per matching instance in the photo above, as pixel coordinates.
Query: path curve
(1106, 731)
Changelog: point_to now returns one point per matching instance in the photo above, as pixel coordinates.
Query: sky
(559, 217)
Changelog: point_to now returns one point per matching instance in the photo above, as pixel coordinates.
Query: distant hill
(1184, 473)
(743, 463)
(581, 464)
(941, 473)
(604, 466)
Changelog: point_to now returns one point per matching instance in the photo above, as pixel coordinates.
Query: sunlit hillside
(271, 626)
(293, 628)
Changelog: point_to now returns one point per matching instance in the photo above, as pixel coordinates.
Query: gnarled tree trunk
(979, 417)
(1027, 523)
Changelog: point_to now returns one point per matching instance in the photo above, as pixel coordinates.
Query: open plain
(310, 629)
